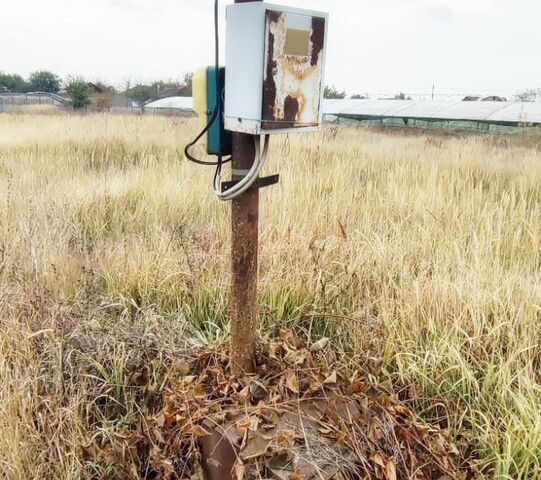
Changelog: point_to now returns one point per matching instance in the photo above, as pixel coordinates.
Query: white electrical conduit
(247, 181)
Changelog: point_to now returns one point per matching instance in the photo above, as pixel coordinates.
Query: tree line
(80, 91)
(42, 81)
(46, 81)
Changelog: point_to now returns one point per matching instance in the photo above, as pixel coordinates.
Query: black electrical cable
(219, 94)
(217, 107)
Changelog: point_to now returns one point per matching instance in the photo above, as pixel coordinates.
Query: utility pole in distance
(244, 253)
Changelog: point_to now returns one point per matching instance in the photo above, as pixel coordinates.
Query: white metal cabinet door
(293, 70)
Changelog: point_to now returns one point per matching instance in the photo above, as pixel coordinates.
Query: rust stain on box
(292, 82)
(317, 39)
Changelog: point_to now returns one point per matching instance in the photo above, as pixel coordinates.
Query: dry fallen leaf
(198, 431)
(239, 472)
(258, 391)
(160, 419)
(319, 345)
(286, 438)
(296, 357)
(256, 446)
(288, 337)
(356, 387)
(296, 476)
(244, 393)
(378, 459)
(248, 423)
(331, 379)
(292, 382)
(375, 430)
(390, 470)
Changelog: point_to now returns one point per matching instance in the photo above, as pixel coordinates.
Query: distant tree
(188, 81)
(167, 88)
(530, 95)
(141, 93)
(333, 93)
(161, 88)
(401, 96)
(358, 97)
(44, 81)
(79, 92)
(174, 88)
(13, 82)
(127, 85)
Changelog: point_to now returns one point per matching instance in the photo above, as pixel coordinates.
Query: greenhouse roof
(493, 112)
(477, 111)
(178, 103)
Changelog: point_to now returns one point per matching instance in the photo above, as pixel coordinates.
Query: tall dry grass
(422, 252)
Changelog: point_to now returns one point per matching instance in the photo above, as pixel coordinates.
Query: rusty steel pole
(244, 253)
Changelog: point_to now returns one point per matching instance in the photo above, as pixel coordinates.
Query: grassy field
(423, 253)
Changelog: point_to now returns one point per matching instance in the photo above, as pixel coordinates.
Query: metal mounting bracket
(259, 183)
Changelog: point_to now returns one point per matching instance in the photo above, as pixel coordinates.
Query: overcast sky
(376, 46)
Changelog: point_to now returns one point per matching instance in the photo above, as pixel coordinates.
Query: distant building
(494, 98)
(105, 99)
(96, 89)
(17, 101)
(478, 98)
(112, 102)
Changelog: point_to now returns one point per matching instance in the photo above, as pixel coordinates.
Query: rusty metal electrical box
(275, 65)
